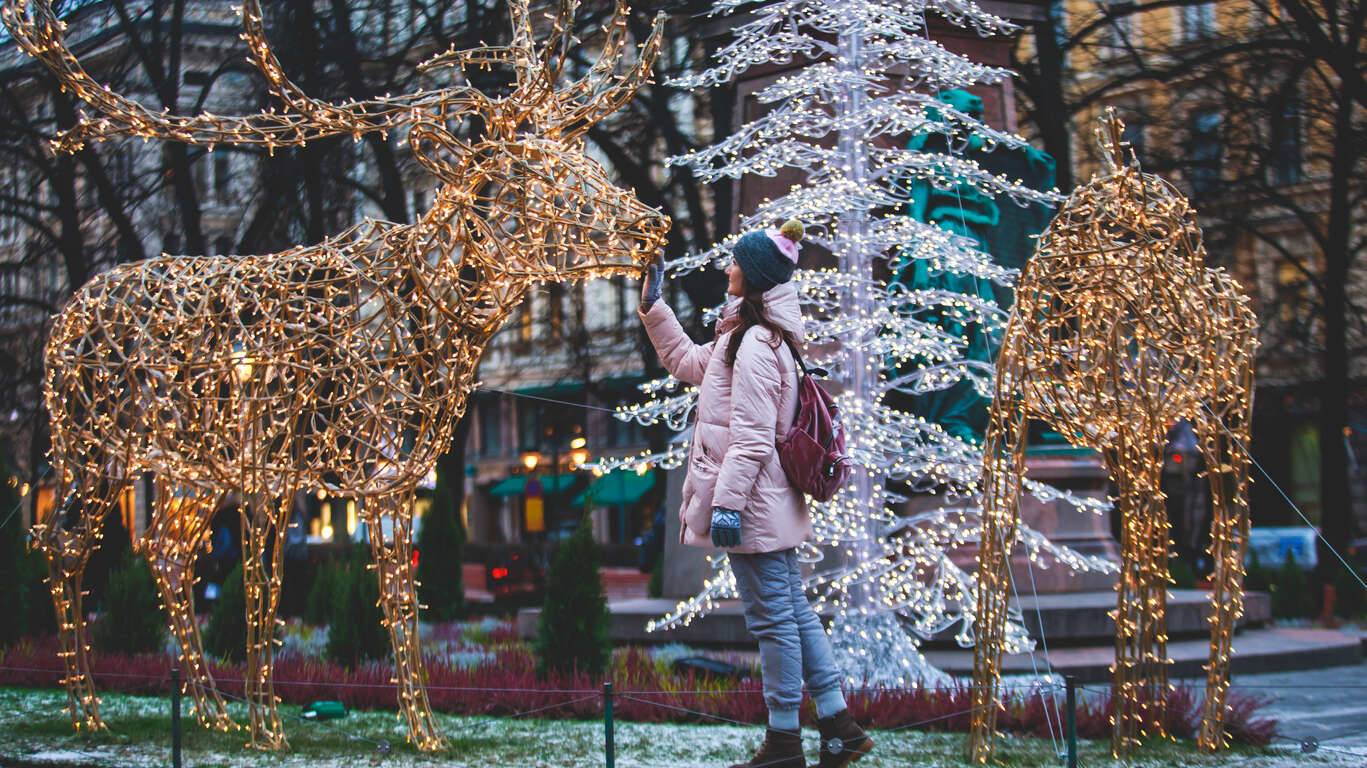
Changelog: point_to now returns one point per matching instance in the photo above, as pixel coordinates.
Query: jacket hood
(781, 305)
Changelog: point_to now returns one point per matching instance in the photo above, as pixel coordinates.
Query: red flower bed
(644, 693)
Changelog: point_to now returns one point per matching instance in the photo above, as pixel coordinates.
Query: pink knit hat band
(785, 246)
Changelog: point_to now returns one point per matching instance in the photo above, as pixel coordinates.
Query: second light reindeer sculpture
(1119, 330)
(341, 366)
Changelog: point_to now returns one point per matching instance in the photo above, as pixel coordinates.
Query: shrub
(323, 594)
(38, 617)
(226, 635)
(656, 586)
(441, 557)
(1350, 596)
(107, 556)
(1257, 576)
(133, 620)
(355, 632)
(1291, 598)
(1183, 577)
(15, 595)
(572, 633)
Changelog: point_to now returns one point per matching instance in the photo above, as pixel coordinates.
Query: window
(1134, 136)
(196, 77)
(222, 177)
(528, 425)
(619, 288)
(555, 312)
(1198, 21)
(1116, 32)
(171, 243)
(1204, 150)
(223, 245)
(524, 319)
(490, 426)
(1295, 304)
(419, 203)
(1285, 163)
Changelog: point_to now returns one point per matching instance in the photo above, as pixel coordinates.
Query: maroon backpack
(813, 451)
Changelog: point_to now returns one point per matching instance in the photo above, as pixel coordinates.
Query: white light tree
(888, 577)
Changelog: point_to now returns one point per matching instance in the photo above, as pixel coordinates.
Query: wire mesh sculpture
(342, 366)
(1120, 330)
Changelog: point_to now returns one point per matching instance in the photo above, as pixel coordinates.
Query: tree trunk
(1336, 516)
(1051, 114)
(451, 465)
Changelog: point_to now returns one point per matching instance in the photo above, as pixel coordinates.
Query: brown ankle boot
(842, 740)
(781, 749)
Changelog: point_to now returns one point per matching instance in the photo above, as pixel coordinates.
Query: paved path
(1327, 704)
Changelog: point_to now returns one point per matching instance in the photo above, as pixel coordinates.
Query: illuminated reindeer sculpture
(1118, 331)
(341, 366)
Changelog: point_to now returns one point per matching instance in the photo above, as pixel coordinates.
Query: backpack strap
(796, 355)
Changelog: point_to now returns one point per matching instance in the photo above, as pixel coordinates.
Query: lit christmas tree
(888, 577)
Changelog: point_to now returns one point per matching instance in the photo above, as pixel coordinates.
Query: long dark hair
(750, 315)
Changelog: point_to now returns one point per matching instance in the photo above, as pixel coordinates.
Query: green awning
(513, 485)
(618, 487)
(516, 485)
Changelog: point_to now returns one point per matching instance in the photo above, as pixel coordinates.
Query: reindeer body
(1119, 331)
(336, 334)
(341, 366)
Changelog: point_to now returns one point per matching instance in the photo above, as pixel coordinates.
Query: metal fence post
(608, 747)
(175, 718)
(1070, 703)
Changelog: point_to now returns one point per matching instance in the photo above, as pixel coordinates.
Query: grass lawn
(35, 731)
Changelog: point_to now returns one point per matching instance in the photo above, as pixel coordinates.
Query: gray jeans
(793, 647)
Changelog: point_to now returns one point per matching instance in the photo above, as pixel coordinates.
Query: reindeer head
(539, 207)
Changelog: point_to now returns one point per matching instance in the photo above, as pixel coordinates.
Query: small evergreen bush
(323, 595)
(1183, 577)
(226, 635)
(1351, 598)
(572, 633)
(355, 632)
(441, 557)
(1291, 598)
(14, 581)
(114, 542)
(1257, 577)
(133, 620)
(38, 617)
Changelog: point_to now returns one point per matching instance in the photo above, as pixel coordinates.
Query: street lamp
(530, 460)
(579, 453)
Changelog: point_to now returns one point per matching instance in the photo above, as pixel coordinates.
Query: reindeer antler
(600, 92)
(39, 32)
(579, 105)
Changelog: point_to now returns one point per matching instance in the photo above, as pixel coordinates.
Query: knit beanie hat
(768, 257)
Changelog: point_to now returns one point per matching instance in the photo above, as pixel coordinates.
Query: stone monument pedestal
(1085, 532)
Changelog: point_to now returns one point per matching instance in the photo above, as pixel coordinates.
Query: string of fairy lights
(1119, 331)
(873, 73)
(342, 366)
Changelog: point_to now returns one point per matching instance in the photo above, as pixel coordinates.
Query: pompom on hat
(767, 258)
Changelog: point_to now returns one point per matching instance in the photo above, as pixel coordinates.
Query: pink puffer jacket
(733, 462)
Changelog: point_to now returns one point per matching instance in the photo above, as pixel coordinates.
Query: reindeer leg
(1002, 473)
(1227, 468)
(1139, 683)
(67, 537)
(264, 519)
(400, 605)
(1153, 668)
(171, 545)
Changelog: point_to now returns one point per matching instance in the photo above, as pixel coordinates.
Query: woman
(736, 496)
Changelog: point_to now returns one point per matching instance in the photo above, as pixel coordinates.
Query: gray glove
(653, 284)
(725, 527)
